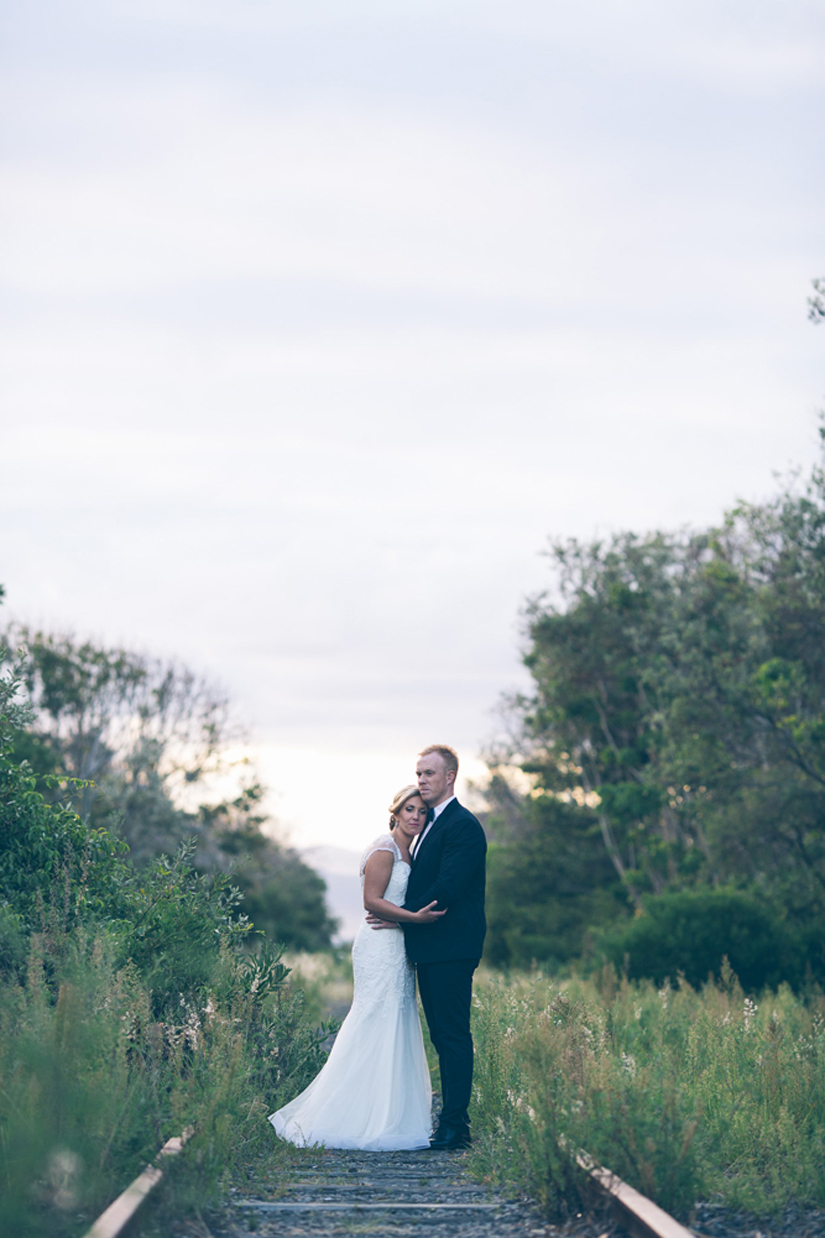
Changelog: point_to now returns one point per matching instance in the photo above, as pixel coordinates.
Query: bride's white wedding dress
(373, 1092)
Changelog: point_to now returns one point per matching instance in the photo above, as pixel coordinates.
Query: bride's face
(412, 817)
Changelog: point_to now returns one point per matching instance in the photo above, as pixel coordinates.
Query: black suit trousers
(446, 994)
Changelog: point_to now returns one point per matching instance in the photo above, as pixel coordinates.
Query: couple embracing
(423, 886)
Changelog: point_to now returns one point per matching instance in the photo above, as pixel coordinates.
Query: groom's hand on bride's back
(428, 914)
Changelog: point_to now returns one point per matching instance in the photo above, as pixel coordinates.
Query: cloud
(318, 320)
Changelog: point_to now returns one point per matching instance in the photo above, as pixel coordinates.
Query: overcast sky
(319, 318)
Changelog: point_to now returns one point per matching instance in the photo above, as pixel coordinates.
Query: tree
(679, 695)
(283, 896)
(548, 879)
(135, 747)
(58, 874)
(590, 732)
(46, 847)
(144, 736)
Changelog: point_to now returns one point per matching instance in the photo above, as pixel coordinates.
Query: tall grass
(132, 1005)
(92, 1082)
(686, 1095)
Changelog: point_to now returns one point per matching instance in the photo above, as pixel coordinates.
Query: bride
(373, 1092)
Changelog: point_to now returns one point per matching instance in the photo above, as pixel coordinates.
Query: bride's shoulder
(384, 842)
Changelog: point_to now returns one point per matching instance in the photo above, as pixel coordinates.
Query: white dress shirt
(437, 811)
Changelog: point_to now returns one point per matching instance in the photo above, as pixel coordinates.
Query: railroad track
(395, 1195)
(386, 1195)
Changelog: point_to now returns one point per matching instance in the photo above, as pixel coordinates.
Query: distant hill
(339, 868)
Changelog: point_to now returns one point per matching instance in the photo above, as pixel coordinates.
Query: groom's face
(435, 781)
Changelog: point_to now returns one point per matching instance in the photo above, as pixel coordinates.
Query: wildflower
(191, 1031)
(629, 1064)
(64, 1167)
(749, 1013)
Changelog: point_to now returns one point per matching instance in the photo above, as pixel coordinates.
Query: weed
(684, 1094)
(92, 1082)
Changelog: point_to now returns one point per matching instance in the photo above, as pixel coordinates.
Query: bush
(42, 844)
(175, 922)
(689, 933)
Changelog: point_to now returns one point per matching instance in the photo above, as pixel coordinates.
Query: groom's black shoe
(450, 1139)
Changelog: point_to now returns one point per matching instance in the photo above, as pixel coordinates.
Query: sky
(318, 319)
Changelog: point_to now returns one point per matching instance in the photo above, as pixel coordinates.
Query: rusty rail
(636, 1212)
(120, 1212)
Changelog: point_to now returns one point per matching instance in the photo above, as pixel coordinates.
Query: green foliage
(175, 922)
(287, 892)
(44, 844)
(128, 1011)
(41, 843)
(680, 697)
(691, 932)
(57, 872)
(133, 730)
(548, 885)
(12, 943)
(281, 895)
(127, 746)
(684, 1095)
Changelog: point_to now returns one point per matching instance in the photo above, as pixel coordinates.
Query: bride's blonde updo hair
(399, 800)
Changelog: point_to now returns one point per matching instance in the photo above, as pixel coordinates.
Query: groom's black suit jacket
(448, 866)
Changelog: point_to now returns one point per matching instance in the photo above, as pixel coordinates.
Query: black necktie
(430, 817)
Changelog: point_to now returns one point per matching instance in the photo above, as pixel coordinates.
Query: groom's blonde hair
(448, 755)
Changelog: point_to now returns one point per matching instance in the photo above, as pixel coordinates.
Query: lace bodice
(397, 884)
(378, 955)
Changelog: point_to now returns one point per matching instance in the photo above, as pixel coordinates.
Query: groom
(448, 865)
